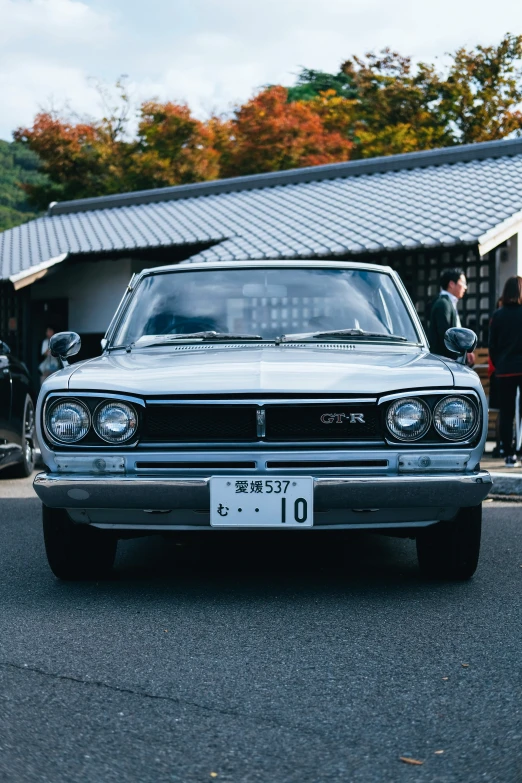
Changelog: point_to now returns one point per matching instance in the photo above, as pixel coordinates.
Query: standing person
(444, 314)
(505, 350)
(49, 364)
(493, 403)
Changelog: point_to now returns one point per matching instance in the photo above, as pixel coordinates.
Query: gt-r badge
(338, 418)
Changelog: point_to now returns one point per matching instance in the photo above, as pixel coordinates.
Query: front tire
(76, 551)
(26, 466)
(450, 550)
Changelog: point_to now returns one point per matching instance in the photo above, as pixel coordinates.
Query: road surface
(264, 660)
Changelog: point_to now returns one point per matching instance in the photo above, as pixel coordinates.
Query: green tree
(393, 105)
(482, 92)
(310, 84)
(378, 104)
(18, 166)
(396, 107)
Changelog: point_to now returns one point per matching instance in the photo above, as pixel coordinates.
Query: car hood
(294, 368)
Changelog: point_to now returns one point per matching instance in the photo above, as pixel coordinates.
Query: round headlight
(455, 418)
(115, 422)
(408, 419)
(68, 421)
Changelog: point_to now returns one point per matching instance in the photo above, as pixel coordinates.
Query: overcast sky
(213, 53)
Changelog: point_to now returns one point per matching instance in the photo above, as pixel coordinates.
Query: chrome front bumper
(139, 501)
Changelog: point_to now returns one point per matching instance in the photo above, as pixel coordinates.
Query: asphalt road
(259, 660)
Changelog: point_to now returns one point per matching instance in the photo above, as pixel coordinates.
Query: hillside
(17, 165)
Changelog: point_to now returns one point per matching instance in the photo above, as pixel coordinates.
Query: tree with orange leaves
(90, 159)
(270, 134)
(379, 104)
(70, 155)
(172, 148)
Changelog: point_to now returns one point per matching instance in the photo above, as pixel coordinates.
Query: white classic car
(269, 394)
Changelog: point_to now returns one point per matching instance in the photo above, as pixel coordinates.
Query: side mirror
(460, 341)
(4, 348)
(65, 344)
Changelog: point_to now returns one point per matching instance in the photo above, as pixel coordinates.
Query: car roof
(184, 266)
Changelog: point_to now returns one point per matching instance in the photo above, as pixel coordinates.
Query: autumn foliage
(270, 134)
(70, 153)
(379, 104)
(172, 147)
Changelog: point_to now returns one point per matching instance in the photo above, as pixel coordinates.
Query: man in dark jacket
(444, 314)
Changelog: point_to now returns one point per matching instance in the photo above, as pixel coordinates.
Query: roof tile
(413, 207)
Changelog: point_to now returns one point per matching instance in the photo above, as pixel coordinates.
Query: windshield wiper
(351, 333)
(165, 339)
(119, 347)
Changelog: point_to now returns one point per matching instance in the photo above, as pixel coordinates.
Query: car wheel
(450, 550)
(76, 551)
(26, 466)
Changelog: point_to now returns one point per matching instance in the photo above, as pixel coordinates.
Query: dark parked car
(17, 430)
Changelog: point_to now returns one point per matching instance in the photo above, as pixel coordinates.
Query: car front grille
(221, 423)
(354, 421)
(200, 423)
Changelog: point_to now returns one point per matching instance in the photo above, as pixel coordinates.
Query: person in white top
(454, 299)
(444, 314)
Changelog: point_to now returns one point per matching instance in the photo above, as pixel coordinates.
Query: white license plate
(278, 501)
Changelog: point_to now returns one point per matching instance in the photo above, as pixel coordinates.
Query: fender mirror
(65, 344)
(4, 349)
(460, 341)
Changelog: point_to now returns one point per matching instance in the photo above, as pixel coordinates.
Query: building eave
(411, 160)
(500, 233)
(36, 272)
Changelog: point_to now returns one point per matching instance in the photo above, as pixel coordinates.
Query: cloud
(45, 47)
(67, 22)
(29, 85)
(213, 53)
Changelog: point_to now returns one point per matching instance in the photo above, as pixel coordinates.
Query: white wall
(93, 288)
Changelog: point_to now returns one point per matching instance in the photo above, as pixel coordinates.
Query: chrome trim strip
(432, 444)
(263, 404)
(261, 423)
(350, 526)
(262, 457)
(245, 445)
(423, 341)
(115, 318)
(263, 401)
(102, 394)
(427, 393)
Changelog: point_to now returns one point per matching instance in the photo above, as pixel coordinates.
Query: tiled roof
(426, 199)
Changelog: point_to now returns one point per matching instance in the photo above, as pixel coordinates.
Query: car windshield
(265, 302)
